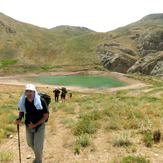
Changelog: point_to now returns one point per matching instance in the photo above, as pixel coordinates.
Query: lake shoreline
(21, 80)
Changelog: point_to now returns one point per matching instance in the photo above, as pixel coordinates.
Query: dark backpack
(47, 99)
(64, 91)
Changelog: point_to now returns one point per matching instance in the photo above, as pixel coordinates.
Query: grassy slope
(80, 53)
(28, 44)
(33, 47)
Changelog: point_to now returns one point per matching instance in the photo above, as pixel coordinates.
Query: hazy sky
(98, 15)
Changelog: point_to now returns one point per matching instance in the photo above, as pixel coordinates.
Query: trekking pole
(19, 143)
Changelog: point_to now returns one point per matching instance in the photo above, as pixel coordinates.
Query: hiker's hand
(18, 121)
(31, 125)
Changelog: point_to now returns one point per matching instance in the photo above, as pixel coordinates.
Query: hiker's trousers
(35, 140)
(56, 98)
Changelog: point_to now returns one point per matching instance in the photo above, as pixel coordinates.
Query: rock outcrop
(148, 43)
(151, 64)
(118, 60)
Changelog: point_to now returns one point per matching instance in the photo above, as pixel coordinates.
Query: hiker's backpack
(47, 99)
(64, 90)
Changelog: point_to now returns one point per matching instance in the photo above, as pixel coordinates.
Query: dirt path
(22, 80)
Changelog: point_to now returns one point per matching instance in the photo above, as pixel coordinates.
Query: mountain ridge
(69, 48)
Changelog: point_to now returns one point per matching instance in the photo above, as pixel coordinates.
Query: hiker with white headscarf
(36, 113)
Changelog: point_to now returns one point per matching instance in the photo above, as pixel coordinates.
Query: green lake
(91, 81)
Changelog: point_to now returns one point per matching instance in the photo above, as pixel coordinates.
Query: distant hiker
(70, 95)
(56, 94)
(36, 113)
(63, 94)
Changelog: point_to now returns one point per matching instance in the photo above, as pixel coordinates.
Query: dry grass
(52, 122)
(102, 127)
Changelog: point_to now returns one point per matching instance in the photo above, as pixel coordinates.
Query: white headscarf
(37, 101)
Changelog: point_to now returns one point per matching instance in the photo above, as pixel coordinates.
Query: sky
(97, 15)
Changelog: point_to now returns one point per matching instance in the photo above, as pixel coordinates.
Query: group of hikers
(34, 108)
(56, 92)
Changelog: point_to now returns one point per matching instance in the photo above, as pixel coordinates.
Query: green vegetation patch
(85, 126)
(121, 139)
(148, 139)
(134, 159)
(6, 156)
(83, 140)
(8, 62)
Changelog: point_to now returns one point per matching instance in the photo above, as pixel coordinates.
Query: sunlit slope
(32, 48)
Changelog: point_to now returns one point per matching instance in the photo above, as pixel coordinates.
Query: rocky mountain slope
(136, 48)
